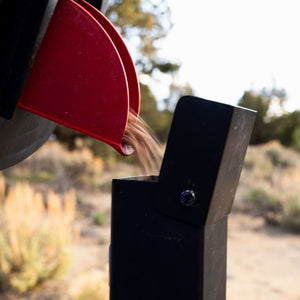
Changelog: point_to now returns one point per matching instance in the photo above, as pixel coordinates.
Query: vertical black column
(169, 233)
(22, 27)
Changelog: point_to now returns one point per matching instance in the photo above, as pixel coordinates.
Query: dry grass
(60, 168)
(98, 290)
(34, 236)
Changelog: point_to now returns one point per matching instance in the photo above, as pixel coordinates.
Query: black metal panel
(169, 233)
(204, 155)
(215, 260)
(96, 3)
(155, 257)
(23, 23)
(101, 5)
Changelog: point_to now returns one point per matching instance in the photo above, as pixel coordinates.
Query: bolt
(188, 198)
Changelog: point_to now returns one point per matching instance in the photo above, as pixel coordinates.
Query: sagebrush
(35, 234)
(270, 184)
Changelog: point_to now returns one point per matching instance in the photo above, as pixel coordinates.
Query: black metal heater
(169, 232)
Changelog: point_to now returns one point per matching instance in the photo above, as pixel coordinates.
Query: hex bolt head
(188, 198)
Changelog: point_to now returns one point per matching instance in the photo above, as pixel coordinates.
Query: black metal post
(169, 232)
(23, 26)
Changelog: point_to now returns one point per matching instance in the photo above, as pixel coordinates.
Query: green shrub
(278, 159)
(263, 201)
(249, 163)
(275, 211)
(291, 215)
(100, 218)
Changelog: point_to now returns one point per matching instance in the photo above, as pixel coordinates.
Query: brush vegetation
(34, 236)
(94, 291)
(37, 228)
(57, 167)
(269, 185)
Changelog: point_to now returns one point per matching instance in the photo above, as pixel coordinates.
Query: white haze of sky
(228, 46)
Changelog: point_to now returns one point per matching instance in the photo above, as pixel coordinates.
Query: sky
(226, 47)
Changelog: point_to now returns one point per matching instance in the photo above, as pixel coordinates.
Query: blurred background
(55, 205)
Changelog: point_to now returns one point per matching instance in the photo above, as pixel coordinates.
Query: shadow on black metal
(169, 232)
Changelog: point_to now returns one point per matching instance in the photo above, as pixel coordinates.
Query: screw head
(188, 198)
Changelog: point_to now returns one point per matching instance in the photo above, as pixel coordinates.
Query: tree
(286, 129)
(265, 123)
(144, 24)
(177, 90)
(159, 121)
(261, 104)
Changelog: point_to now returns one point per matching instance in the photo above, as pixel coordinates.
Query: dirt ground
(263, 261)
